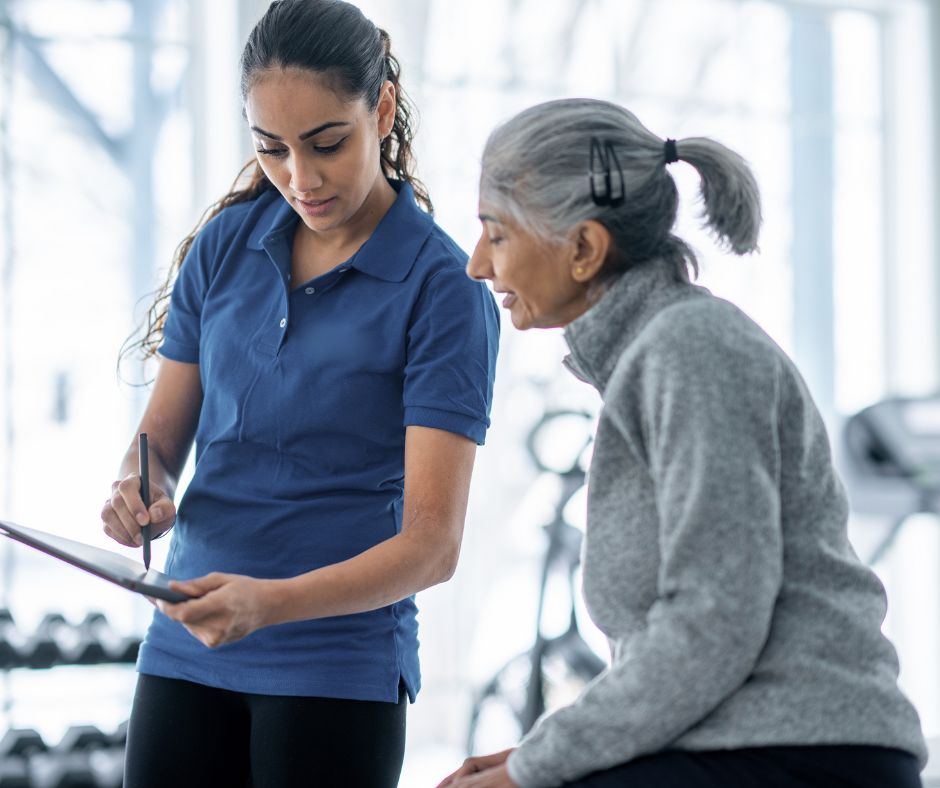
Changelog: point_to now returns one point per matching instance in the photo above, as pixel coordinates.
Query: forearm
(386, 573)
(670, 676)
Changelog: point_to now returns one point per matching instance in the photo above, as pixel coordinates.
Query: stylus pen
(143, 457)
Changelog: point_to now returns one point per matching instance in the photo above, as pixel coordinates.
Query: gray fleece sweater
(716, 559)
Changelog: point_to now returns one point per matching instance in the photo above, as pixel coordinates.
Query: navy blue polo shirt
(308, 389)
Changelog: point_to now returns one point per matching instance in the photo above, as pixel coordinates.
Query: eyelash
(496, 241)
(278, 153)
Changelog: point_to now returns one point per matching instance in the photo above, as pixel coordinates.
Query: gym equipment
(892, 462)
(85, 757)
(520, 691)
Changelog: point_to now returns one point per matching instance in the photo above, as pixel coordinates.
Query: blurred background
(120, 122)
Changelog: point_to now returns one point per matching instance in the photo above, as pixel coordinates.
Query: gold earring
(579, 270)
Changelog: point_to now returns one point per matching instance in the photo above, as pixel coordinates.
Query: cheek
(273, 169)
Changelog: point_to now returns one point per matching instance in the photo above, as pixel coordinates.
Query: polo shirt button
(310, 290)
(283, 322)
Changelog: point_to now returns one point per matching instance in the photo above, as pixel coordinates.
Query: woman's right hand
(477, 763)
(123, 513)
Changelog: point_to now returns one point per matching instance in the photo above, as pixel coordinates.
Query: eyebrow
(485, 217)
(307, 134)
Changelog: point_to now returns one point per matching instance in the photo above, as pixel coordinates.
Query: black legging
(764, 767)
(183, 734)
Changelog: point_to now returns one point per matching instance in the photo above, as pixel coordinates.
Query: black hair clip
(601, 174)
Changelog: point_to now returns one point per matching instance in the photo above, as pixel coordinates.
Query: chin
(523, 322)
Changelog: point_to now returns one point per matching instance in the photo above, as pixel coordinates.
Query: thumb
(162, 511)
(200, 586)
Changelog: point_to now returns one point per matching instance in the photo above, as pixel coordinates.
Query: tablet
(103, 563)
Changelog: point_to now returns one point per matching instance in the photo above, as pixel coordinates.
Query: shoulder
(705, 330)
(237, 222)
(702, 344)
(440, 253)
(441, 265)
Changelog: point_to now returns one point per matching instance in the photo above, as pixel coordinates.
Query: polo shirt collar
(404, 229)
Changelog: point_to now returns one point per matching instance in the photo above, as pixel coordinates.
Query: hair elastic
(669, 151)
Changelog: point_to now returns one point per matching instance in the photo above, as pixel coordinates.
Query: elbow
(448, 564)
(445, 564)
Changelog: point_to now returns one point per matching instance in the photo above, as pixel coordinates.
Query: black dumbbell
(62, 770)
(119, 737)
(12, 642)
(16, 747)
(42, 648)
(77, 761)
(108, 766)
(14, 772)
(82, 738)
(96, 631)
(22, 743)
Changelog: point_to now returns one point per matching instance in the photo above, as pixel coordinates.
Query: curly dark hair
(329, 37)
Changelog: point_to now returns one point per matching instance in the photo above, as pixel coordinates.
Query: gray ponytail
(535, 170)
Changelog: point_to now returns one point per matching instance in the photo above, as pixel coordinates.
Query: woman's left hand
(227, 607)
(495, 777)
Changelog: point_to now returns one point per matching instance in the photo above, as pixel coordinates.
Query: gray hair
(535, 170)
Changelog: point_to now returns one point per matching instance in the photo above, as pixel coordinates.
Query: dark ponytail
(329, 37)
(397, 156)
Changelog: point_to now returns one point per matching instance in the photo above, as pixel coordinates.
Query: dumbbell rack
(85, 757)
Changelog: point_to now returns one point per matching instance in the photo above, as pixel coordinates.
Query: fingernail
(157, 513)
(142, 518)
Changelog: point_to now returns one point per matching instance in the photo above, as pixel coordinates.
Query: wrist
(280, 601)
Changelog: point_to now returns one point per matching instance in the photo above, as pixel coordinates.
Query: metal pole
(811, 73)
(934, 14)
(8, 263)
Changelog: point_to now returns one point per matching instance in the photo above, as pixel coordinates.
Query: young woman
(334, 365)
(745, 635)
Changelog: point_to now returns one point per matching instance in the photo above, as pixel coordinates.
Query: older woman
(745, 634)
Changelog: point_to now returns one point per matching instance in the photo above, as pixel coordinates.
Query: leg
(326, 742)
(679, 769)
(185, 735)
(764, 767)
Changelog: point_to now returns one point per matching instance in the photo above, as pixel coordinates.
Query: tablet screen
(103, 563)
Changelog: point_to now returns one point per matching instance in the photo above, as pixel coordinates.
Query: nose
(304, 175)
(480, 266)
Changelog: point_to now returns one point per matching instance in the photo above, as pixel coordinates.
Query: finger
(113, 527)
(119, 535)
(162, 512)
(200, 586)
(128, 489)
(124, 518)
(452, 778)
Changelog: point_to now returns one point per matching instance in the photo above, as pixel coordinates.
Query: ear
(386, 108)
(592, 243)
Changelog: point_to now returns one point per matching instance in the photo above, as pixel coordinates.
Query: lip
(509, 300)
(316, 207)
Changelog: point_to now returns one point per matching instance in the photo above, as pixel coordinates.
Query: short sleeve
(450, 368)
(181, 331)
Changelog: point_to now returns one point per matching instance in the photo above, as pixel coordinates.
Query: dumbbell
(119, 737)
(42, 648)
(74, 762)
(14, 773)
(96, 631)
(16, 747)
(12, 642)
(21, 743)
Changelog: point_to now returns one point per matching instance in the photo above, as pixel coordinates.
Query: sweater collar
(598, 338)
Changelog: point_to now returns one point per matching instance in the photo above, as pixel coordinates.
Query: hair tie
(670, 153)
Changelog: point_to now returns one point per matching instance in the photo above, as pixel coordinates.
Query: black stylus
(143, 458)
